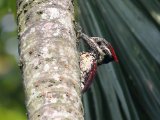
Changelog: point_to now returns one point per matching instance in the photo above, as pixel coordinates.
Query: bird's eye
(104, 51)
(99, 43)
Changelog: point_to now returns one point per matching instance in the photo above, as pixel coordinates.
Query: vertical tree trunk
(49, 59)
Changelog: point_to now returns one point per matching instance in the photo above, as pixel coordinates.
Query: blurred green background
(129, 90)
(11, 88)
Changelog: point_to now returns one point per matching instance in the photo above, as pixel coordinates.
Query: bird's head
(108, 50)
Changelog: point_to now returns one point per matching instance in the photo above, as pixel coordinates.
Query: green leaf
(129, 90)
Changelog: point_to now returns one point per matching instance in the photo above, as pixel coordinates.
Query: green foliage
(128, 90)
(11, 114)
(11, 92)
(7, 6)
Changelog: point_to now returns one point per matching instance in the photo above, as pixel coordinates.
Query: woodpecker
(101, 52)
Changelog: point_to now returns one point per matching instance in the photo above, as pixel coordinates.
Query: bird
(101, 52)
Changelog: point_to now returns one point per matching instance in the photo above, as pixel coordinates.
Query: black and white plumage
(101, 52)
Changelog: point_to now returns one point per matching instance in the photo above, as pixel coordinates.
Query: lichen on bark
(49, 57)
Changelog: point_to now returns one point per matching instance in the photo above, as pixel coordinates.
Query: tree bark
(49, 59)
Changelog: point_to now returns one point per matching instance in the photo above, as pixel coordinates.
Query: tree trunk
(49, 59)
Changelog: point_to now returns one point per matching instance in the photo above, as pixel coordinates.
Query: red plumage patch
(113, 53)
(90, 77)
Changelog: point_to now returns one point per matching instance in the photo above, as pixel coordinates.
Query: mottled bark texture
(49, 59)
